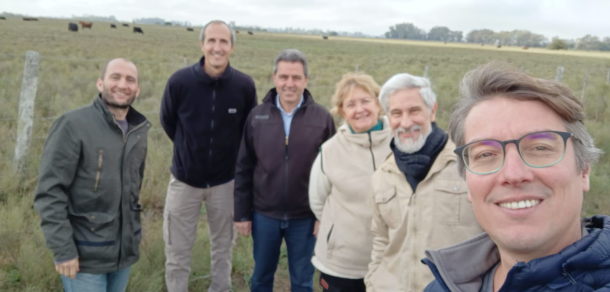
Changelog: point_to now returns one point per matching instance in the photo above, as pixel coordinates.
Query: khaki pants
(182, 209)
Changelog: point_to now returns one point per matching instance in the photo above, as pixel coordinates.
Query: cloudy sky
(564, 18)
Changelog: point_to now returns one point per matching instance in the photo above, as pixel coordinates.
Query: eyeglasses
(538, 150)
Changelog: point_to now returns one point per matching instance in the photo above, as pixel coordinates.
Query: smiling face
(410, 119)
(119, 88)
(216, 46)
(360, 110)
(528, 212)
(290, 82)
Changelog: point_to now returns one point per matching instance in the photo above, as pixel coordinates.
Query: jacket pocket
(389, 207)
(95, 235)
(451, 206)
(100, 162)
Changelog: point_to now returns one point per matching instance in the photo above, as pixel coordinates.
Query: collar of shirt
(277, 103)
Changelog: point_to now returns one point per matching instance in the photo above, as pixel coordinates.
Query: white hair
(407, 81)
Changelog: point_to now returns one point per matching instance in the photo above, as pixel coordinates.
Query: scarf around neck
(416, 165)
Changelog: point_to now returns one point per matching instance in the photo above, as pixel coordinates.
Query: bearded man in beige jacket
(419, 200)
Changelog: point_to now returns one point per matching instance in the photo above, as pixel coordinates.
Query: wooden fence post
(29, 86)
(185, 62)
(584, 85)
(426, 72)
(357, 67)
(559, 73)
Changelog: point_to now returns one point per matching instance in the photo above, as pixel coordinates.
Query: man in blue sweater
(203, 111)
(526, 156)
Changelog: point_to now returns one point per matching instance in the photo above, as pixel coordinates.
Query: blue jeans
(267, 234)
(110, 282)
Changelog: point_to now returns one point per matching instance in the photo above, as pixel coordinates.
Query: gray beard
(414, 146)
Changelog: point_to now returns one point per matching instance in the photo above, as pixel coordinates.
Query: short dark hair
(292, 56)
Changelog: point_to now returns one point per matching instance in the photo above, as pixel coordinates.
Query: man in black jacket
(280, 142)
(203, 111)
(89, 185)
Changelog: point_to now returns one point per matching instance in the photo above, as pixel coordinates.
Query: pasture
(71, 62)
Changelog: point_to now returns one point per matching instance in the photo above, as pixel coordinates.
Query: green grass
(71, 63)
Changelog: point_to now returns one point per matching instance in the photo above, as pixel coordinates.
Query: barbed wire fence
(24, 119)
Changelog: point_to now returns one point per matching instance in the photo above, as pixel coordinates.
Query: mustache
(401, 130)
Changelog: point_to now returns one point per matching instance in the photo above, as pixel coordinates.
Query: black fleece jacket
(272, 172)
(204, 117)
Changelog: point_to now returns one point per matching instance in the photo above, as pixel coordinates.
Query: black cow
(189, 29)
(73, 27)
(30, 19)
(125, 25)
(325, 37)
(250, 33)
(112, 26)
(2, 18)
(137, 30)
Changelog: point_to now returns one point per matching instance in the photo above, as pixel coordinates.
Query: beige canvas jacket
(340, 195)
(406, 223)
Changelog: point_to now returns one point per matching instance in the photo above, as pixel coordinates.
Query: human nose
(406, 122)
(514, 171)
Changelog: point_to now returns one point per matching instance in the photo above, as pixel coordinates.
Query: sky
(568, 19)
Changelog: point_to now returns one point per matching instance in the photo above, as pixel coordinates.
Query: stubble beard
(111, 102)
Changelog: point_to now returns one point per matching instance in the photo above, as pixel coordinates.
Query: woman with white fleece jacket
(340, 185)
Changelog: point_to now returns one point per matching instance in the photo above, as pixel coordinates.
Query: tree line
(523, 38)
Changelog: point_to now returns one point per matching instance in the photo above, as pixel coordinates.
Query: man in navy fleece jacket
(203, 111)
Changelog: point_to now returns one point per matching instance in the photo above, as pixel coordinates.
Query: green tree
(406, 31)
(558, 44)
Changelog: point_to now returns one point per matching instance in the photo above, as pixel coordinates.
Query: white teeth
(520, 205)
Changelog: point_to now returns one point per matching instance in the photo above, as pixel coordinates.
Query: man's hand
(244, 228)
(68, 269)
(316, 228)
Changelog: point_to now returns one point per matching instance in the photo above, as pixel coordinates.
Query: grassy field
(71, 63)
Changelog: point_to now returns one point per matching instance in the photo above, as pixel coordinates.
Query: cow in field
(525, 47)
(325, 37)
(86, 24)
(237, 31)
(189, 29)
(30, 19)
(250, 33)
(73, 27)
(125, 25)
(137, 30)
(2, 18)
(112, 26)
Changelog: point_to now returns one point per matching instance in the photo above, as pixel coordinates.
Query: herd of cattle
(74, 27)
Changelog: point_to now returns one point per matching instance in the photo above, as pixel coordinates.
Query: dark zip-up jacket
(204, 117)
(579, 267)
(89, 187)
(272, 171)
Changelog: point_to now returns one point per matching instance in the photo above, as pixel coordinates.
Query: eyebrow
(522, 135)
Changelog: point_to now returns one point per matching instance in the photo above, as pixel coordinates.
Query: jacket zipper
(121, 205)
(212, 128)
(100, 160)
(371, 150)
(286, 180)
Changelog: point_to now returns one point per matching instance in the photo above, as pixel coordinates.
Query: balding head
(123, 63)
